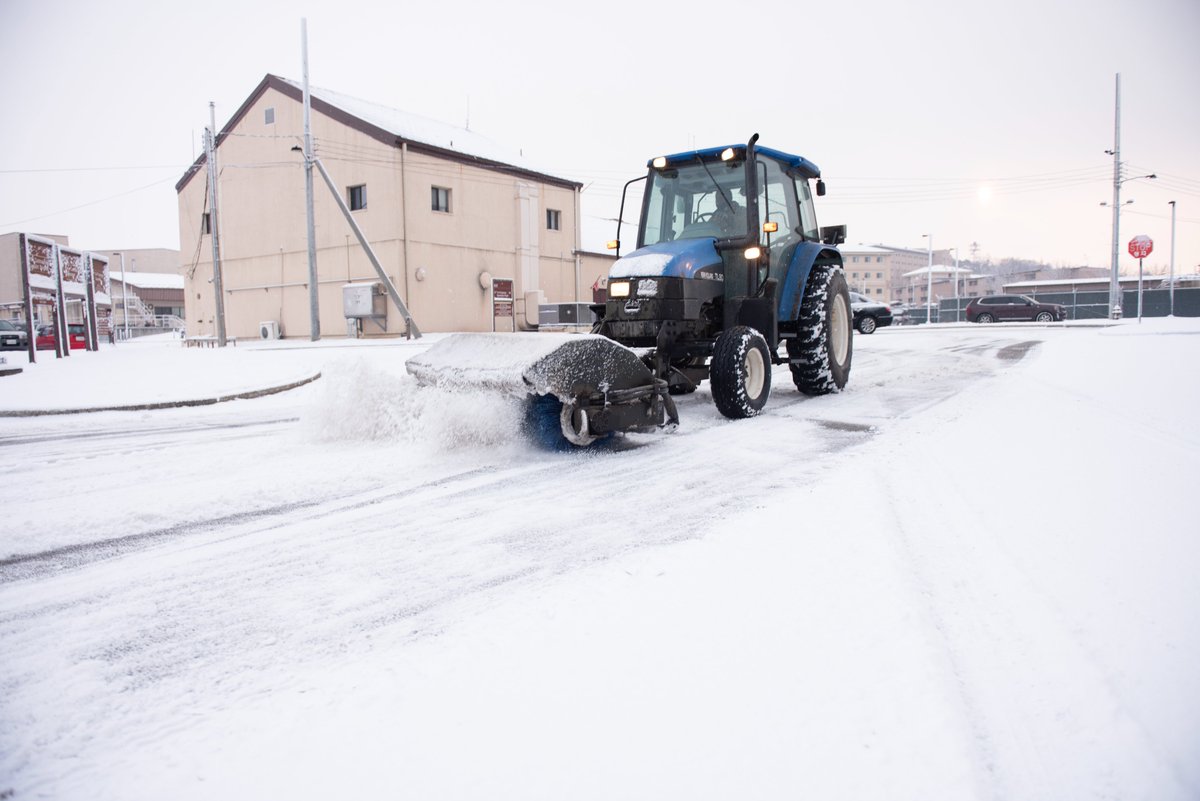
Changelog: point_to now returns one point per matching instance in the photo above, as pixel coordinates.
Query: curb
(139, 407)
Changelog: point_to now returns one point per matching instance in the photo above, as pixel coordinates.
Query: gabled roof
(394, 128)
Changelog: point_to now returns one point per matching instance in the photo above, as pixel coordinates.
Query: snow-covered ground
(971, 575)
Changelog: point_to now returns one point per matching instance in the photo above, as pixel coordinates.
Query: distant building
(155, 301)
(1059, 285)
(144, 260)
(869, 270)
(445, 209)
(879, 271)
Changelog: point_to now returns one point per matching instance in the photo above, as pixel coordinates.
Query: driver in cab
(729, 217)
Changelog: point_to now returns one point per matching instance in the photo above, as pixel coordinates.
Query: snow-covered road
(933, 585)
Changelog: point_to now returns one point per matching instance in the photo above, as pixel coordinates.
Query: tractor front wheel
(740, 373)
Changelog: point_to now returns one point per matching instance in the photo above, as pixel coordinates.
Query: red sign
(1141, 246)
(502, 297)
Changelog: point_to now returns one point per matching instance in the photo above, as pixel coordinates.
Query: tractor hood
(682, 258)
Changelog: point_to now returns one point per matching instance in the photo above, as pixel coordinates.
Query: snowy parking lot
(970, 575)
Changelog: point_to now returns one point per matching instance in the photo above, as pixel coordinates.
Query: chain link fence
(1083, 305)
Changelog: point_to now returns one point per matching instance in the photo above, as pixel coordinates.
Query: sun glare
(985, 193)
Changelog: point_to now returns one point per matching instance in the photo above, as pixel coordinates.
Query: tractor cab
(719, 229)
(755, 203)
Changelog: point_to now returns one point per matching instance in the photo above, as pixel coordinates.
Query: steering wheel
(704, 217)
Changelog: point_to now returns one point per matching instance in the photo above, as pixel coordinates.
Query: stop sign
(1141, 246)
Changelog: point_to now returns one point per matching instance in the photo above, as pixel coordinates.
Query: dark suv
(998, 308)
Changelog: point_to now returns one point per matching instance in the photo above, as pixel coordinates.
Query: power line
(90, 203)
(96, 169)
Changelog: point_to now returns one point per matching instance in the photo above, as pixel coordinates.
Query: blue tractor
(729, 266)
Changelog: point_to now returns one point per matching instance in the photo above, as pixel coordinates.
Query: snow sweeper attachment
(584, 386)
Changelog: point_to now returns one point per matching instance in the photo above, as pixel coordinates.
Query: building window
(205, 224)
(879, 275)
(269, 116)
(441, 199)
(357, 196)
(854, 275)
(553, 219)
(879, 259)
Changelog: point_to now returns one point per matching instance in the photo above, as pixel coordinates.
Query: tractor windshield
(694, 200)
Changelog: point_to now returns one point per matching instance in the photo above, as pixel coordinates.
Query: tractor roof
(803, 165)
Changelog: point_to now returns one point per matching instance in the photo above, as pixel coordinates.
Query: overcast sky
(975, 123)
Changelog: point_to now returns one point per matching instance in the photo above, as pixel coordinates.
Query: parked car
(12, 336)
(46, 339)
(999, 308)
(869, 314)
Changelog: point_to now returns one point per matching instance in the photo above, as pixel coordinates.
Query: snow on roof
(860, 249)
(1081, 281)
(150, 280)
(938, 269)
(415, 128)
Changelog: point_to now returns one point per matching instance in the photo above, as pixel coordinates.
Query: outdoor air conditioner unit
(268, 329)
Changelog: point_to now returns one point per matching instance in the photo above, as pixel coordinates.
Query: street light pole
(1114, 286)
(124, 296)
(929, 282)
(956, 304)
(1172, 313)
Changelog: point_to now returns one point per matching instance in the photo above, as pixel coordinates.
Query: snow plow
(729, 266)
(590, 386)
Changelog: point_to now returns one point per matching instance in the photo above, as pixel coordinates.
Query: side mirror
(833, 234)
(820, 188)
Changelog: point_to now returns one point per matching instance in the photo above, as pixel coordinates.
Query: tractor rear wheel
(740, 373)
(820, 352)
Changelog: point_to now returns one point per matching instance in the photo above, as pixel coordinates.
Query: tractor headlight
(727, 154)
(618, 289)
(660, 162)
(753, 253)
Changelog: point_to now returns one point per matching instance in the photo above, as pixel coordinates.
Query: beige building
(869, 270)
(444, 209)
(879, 271)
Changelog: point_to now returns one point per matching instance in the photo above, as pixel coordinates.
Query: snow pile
(359, 401)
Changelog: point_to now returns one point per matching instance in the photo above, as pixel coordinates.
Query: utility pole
(210, 148)
(1172, 313)
(313, 294)
(1114, 287)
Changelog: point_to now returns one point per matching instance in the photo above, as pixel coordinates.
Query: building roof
(858, 250)
(1072, 281)
(149, 280)
(395, 128)
(938, 269)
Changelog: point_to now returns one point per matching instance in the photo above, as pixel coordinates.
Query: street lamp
(929, 281)
(1172, 203)
(124, 295)
(1114, 287)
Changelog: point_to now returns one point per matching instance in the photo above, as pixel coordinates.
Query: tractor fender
(791, 290)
